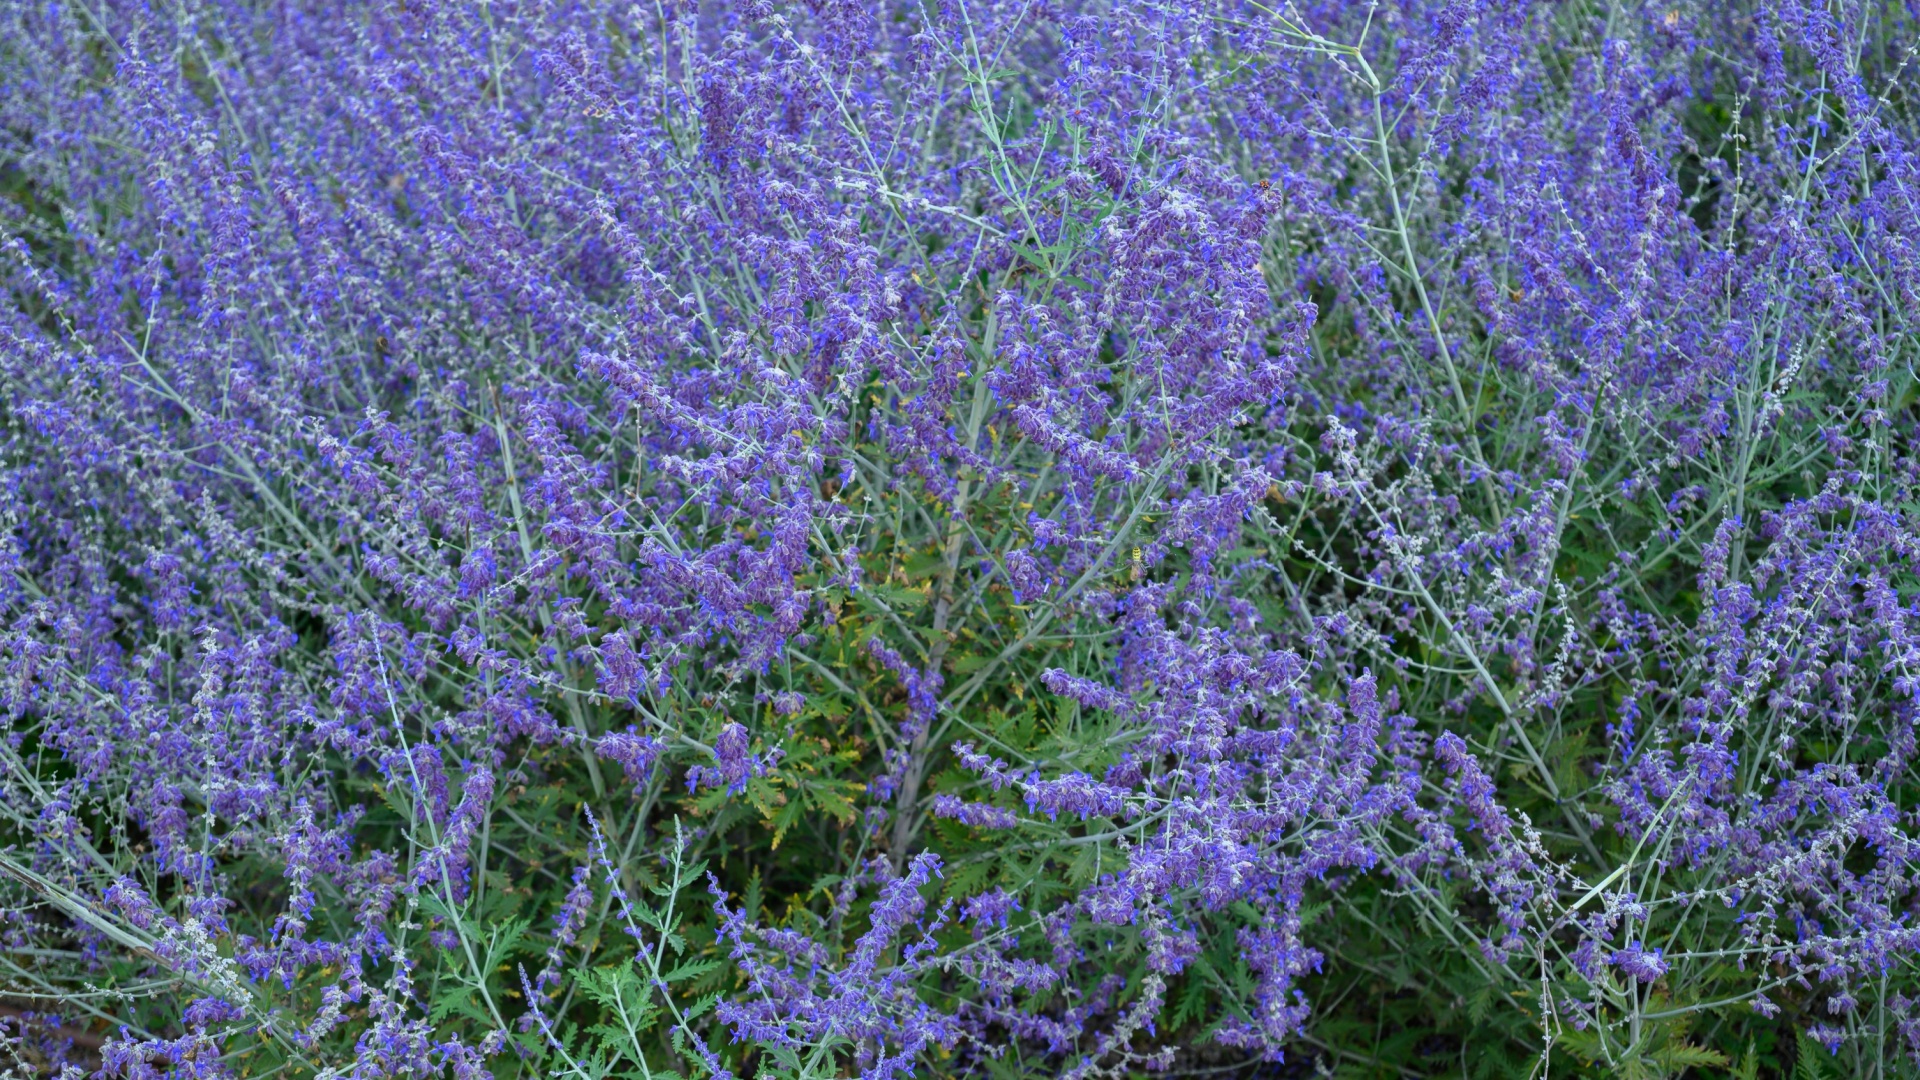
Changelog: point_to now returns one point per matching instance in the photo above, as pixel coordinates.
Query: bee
(1138, 568)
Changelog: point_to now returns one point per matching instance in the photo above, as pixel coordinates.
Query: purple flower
(1639, 962)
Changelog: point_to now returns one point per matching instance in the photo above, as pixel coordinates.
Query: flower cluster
(1107, 537)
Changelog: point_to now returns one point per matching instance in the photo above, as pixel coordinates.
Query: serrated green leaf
(899, 598)
(1084, 866)
(503, 937)
(965, 879)
(786, 818)
(1191, 1003)
(834, 798)
(690, 970)
(1686, 1056)
(1583, 1044)
(458, 1003)
(1479, 1004)
(1812, 1061)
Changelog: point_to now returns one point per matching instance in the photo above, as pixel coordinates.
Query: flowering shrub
(994, 538)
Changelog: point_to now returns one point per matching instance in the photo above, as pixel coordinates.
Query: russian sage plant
(990, 538)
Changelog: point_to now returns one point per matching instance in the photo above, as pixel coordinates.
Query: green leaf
(1687, 1056)
(1480, 1004)
(924, 565)
(503, 938)
(898, 598)
(1085, 865)
(1191, 1004)
(834, 798)
(693, 969)
(965, 879)
(458, 1002)
(786, 818)
(433, 905)
(1583, 1044)
(1812, 1061)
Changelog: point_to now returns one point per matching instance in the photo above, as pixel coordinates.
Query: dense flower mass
(1000, 538)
